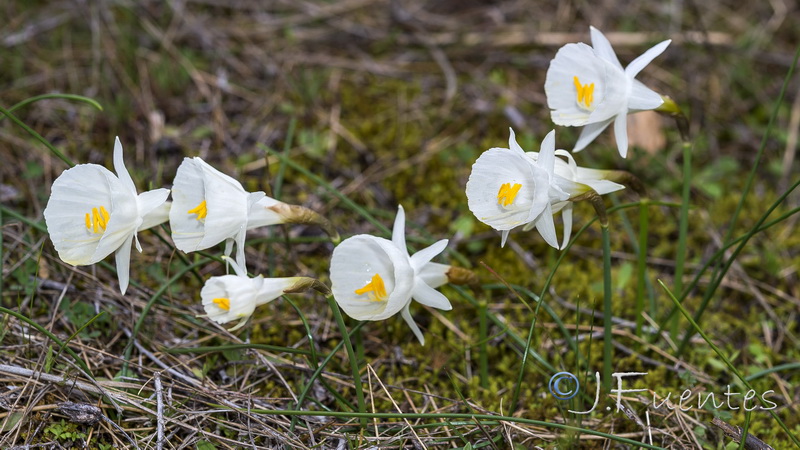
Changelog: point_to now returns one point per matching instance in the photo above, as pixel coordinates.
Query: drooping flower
(92, 213)
(509, 188)
(374, 278)
(587, 86)
(235, 297)
(210, 207)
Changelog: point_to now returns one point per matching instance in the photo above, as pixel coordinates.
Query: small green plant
(63, 430)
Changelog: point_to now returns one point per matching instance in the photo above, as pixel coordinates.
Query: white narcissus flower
(374, 278)
(588, 86)
(209, 207)
(506, 189)
(235, 297)
(92, 212)
(509, 188)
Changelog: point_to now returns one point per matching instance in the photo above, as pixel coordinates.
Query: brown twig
(751, 442)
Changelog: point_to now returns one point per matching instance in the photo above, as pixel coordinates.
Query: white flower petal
(354, 264)
(156, 216)
(504, 237)
(493, 169)
(123, 257)
(424, 256)
(150, 200)
(547, 159)
(646, 58)
(413, 325)
(119, 167)
(621, 133)
(434, 274)
(227, 205)
(188, 192)
(272, 288)
(566, 214)
(429, 296)
(643, 98)
(546, 227)
(602, 47)
(261, 215)
(399, 230)
(589, 133)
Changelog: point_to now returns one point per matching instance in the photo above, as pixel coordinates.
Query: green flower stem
(469, 419)
(351, 355)
(608, 338)
(683, 226)
(641, 287)
(37, 136)
(724, 359)
(483, 338)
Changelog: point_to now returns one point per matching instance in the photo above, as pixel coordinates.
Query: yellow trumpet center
(97, 220)
(375, 289)
(200, 210)
(507, 193)
(585, 93)
(223, 303)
